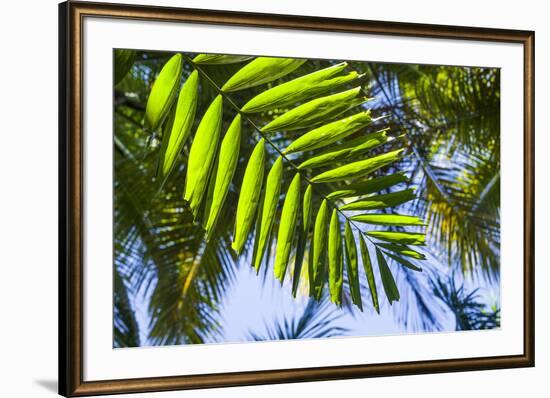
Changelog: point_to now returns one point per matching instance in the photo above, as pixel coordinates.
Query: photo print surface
(262, 198)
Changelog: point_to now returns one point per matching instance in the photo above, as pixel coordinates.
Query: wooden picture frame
(71, 16)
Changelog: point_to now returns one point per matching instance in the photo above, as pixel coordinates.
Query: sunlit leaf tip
(316, 111)
(388, 282)
(382, 201)
(219, 59)
(358, 169)
(249, 196)
(388, 219)
(202, 154)
(403, 250)
(304, 224)
(403, 262)
(335, 259)
(405, 238)
(330, 133)
(300, 89)
(287, 226)
(269, 207)
(318, 261)
(368, 186)
(221, 178)
(179, 127)
(260, 71)
(367, 265)
(350, 254)
(163, 92)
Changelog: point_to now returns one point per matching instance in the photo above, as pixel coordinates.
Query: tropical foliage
(288, 166)
(468, 310)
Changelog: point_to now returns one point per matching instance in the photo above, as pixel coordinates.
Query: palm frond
(452, 115)
(126, 329)
(319, 319)
(469, 312)
(311, 116)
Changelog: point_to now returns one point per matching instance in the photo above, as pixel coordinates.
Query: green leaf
(374, 142)
(209, 195)
(260, 71)
(302, 238)
(343, 151)
(300, 89)
(316, 111)
(388, 219)
(249, 196)
(330, 133)
(404, 238)
(369, 186)
(381, 201)
(124, 59)
(271, 198)
(318, 261)
(403, 250)
(336, 268)
(404, 262)
(350, 252)
(358, 169)
(367, 265)
(218, 59)
(163, 92)
(392, 293)
(287, 227)
(257, 228)
(179, 128)
(226, 166)
(202, 154)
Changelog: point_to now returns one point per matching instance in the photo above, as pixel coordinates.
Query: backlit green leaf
(163, 92)
(368, 186)
(202, 154)
(218, 59)
(330, 133)
(300, 89)
(271, 198)
(249, 196)
(358, 169)
(387, 219)
(371, 144)
(316, 111)
(226, 166)
(302, 239)
(343, 151)
(287, 227)
(403, 250)
(335, 264)
(404, 262)
(381, 201)
(367, 265)
(260, 71)
(180, 125)
(352, 266)
(403, 238)
(392, 293)
(318, 261)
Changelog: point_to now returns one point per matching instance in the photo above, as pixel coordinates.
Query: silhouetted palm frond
(452, 119)
(126, 330)
(469, 312)
(318, 319)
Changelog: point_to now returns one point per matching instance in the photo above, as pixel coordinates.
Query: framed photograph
(254, 199)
